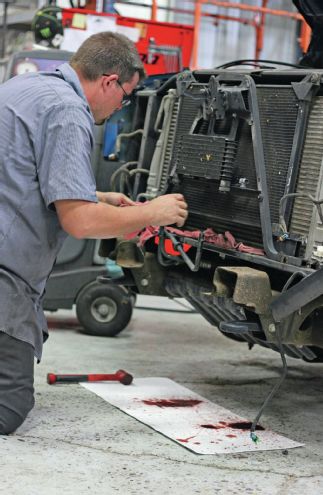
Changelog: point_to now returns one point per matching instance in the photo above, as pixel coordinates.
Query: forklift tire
(133, 298)
(103, 310)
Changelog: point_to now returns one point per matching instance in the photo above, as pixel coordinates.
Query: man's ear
(107, 82)
(108, 79)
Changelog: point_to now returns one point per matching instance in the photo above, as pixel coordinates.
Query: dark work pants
(16, 382)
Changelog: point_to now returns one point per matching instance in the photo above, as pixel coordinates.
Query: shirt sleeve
(63, 155)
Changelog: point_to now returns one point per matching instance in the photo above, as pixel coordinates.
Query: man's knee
(10, 420)
(16, 383)
(14, 407)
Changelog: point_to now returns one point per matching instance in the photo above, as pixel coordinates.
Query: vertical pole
(260, 29)
(305, 36)
(4, 30)
(197, 26)
(154, 10)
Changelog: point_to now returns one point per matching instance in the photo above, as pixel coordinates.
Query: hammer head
(124, 377)
(51, 378)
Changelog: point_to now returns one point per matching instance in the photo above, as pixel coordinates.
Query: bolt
(144, 282)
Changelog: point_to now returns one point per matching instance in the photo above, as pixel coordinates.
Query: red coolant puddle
(239, 425)
(172, 402)
(185, 440)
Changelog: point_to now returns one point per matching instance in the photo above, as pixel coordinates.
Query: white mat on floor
(189, 419)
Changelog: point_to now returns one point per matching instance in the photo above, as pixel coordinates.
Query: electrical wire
(256, 63)
(253, 435)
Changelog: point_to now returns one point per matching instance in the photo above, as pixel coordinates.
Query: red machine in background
(164, 47)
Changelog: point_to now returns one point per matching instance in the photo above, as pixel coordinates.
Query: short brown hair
(108, 53)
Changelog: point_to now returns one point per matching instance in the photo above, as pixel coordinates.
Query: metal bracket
(234, 103)
(300, 294)
(184, 80)
(228, 98)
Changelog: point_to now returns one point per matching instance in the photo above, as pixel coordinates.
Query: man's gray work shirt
(46, 136)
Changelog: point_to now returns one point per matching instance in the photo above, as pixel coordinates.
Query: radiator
(236, 211)
(211, 149)
(235, 145)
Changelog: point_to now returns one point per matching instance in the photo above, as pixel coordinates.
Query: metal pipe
(229, 5)
(250, 8)
(260, 28)
(242, 20)
(154, 10)
(197, 25)
(305, 36)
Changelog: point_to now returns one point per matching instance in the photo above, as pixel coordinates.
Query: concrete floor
(74, 443)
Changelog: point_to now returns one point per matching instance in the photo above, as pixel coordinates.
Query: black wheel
(103, 310)
(133, 297)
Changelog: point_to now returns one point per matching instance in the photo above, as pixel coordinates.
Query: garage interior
(230, 308)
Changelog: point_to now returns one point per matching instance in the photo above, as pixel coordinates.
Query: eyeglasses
(126, 100)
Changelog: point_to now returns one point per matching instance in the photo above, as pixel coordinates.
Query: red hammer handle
(120, 376)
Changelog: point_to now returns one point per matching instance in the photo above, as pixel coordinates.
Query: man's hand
(169, 209)
(89, 220)
(114, 199)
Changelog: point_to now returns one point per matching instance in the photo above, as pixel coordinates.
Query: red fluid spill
(239, 425)
(213, 427)
(172, 402)
(231, 436)
(185, 440)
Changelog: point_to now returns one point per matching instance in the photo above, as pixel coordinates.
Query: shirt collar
(71, 78)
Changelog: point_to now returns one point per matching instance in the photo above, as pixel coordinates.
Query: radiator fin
(309, 171)
(169, 148)
(278, 110)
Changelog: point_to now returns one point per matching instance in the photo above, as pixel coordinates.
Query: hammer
(120, 376)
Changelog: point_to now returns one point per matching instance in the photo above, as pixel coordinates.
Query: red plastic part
(51, 378)
(169, 248)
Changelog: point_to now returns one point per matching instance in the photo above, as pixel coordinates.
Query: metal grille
(238, 210)
(234, 211)
(169, 147)
(309, 171)
(278, 110)
(200, 156)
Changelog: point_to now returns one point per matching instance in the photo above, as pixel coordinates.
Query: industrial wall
(222, 40)
(231, 40)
